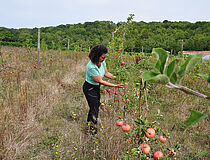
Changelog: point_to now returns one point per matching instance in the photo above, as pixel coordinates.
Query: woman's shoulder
(91, 65)
(104, 63)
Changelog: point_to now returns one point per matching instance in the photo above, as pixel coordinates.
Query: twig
(7, 67)
(135, 68)
(187, 90)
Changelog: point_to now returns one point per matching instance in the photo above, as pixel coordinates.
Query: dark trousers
(92, 94)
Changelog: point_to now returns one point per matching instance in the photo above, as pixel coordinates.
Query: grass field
(43, 110)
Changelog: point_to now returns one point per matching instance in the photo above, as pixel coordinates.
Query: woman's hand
(120, 86)
(114, 77)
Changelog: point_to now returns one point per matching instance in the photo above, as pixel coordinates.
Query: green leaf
(126, 157)
(149, 75)
(189, 64)
(205, 76)
(171, 68)
(162, 57)
(173, 78)
(158, 66)
(154, 77)
(195, 117)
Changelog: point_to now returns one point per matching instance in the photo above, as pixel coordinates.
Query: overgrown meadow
(43, 109)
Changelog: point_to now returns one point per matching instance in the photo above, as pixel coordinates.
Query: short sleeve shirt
(93, 70)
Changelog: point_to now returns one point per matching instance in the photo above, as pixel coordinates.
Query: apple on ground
(145, 148)
(162, 139)
(150, 133)
(119, 123)
(126, 128)
(157, 155)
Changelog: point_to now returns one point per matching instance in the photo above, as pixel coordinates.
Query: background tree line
(166, 34)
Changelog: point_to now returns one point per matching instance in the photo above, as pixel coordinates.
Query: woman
(95, 71)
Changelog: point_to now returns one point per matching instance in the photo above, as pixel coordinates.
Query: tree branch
(187, 90)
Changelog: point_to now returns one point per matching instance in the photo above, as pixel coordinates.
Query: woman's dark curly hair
(96, 52)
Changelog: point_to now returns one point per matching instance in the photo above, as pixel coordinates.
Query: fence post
(171, 51)
(181, 49)
(80, 47)
(39, 61)
(68, 44)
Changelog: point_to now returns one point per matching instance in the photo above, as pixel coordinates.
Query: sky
(45, 13)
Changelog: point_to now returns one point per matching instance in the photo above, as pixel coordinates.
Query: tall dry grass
(30, 95)
(43, 110)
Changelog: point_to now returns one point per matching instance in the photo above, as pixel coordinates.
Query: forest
(142, 35)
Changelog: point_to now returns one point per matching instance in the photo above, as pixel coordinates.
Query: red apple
(145, 148)
(157, 155)
(103, 91)
(111, 48)
(119, 123)
(126, 83)
(118, 31)
(131, 73)
(126, 128)
(123, 100)
(120, 50)
(116, 93)
(122, 63)
(102, 107)
(150, 133)
(108, 90)
(162, 139)
(128, 100)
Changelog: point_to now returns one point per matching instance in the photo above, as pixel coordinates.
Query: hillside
(166, 34)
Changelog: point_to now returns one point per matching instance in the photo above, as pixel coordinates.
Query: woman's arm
(98, 79)
(108, 74)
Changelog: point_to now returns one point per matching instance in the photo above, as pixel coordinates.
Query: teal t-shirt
(93, 70)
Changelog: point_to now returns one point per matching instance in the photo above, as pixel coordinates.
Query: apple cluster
(125, 127)
(149, 132)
